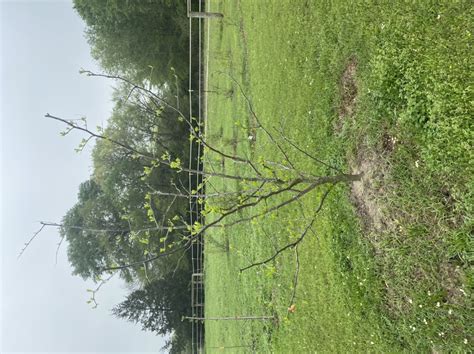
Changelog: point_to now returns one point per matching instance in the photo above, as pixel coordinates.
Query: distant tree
(100, 235)
(159, 305)
(143, 39)
(95, 232)
(179, 343)
(119, 219)
(131, 179)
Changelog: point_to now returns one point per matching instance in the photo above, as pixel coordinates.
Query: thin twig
(96, 290)
(57, 249)
(151, 259)
(178, 263)
(251, 109)
(295, 277)
(309, 155)
(282, 249)
(76, 227)
(197, 195)
(73, 125)
(27, 244)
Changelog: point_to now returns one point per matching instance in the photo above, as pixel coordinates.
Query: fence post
(196, 14)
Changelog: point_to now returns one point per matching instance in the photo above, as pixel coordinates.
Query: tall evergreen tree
(159, 305)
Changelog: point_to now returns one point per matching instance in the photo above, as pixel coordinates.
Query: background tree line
(119, 217)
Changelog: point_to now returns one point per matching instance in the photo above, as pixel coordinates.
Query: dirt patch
(365, 194)
(348, 90)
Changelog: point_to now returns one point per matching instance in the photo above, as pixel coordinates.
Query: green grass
(405, 288)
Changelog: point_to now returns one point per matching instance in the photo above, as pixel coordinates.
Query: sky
(43, 307)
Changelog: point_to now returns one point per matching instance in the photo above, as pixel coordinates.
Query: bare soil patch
(366, 193)
(348, 89)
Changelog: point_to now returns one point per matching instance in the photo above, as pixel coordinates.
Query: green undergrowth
(403, 287)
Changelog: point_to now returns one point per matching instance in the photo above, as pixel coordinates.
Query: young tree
(109, 230)
(265, 185)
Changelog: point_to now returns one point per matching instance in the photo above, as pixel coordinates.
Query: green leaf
(176, 164)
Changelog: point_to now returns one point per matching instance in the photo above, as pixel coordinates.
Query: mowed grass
(404, 287)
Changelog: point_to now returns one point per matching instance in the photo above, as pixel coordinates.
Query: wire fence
(195, 179)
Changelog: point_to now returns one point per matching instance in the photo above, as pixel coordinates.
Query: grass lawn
(384, 89)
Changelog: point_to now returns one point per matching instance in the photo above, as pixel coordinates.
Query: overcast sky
(43, 307)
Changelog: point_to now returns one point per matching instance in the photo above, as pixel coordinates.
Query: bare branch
(96, 290)
(76, 227)
(251, 194)
(297, 241)
(76, 126)
(27, 244)
(153, 258)
(251, 109)
(274, 208)
(197, 195)
(178, 263)
(309, 155)
(216, 223)
(57, 249)
(241, 207)
(319, 181)
(163, 101)
(135, 86)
